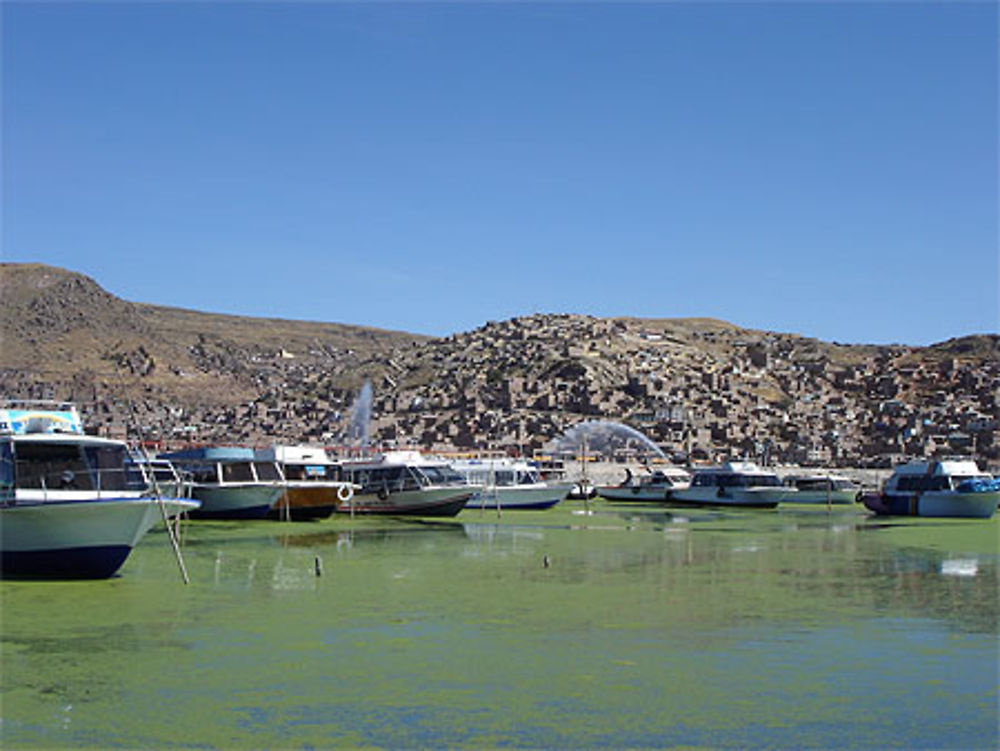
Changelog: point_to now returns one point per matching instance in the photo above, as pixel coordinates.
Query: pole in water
(318, 566)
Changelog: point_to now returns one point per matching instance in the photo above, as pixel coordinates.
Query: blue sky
(828, 169)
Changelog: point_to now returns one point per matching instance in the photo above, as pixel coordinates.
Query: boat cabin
(219, 465)
(401, 470)
(735, 475)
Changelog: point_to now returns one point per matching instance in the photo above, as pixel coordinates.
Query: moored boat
(405, 483)
(313, 485)
(229, 481)
(655, 486)
(66, 509)
(506, 483)
(823, 488)
(733, 484)
(946, 488)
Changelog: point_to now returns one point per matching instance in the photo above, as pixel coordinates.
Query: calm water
(649, 628)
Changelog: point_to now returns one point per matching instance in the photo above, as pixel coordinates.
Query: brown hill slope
(59, 324)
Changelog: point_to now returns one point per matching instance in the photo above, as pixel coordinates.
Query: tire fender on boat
(345, 493)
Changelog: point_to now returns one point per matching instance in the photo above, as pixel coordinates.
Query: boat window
(529, 477)
(108, 462)
(6, 471)
(267, 471)
(704, 480)
(442, 475)
(922, 483)
(295, 472)
(504, 478)
(51, 465)
(762, 481)
(237, 472)
(206, 474)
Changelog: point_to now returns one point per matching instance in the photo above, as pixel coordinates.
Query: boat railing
(100, 483)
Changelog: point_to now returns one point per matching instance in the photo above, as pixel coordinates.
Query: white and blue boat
(231, 482)
(738, 484)
(66, 508)
(506, 483)
(947, 488)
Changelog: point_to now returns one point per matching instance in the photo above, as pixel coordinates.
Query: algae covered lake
(604, 625)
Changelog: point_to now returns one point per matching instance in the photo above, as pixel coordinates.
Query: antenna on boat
(171, 532)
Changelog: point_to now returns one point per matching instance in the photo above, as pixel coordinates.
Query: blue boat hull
(75, 563)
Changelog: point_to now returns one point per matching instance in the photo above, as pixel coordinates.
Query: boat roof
(737, 468)
(211, 454)
(312, 455)
(39, 418)
(409, 458)
(942, 467)
(80, 439)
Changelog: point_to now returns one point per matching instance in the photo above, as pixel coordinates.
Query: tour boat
(947, 488)
(823, 488)
(733, 484)
(230, 481)
(405, 483)
(656, 486)
(66, 509)
(507, 483)
(313, 486)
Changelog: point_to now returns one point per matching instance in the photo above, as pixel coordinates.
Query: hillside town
(701, 393)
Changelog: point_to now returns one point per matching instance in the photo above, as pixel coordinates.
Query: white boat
(230, 481)
(655, 486)
(405, 483)
(507, 483)
(734, 484)
(823, 488)
(66, 510)
(313, 484)
(947, 488)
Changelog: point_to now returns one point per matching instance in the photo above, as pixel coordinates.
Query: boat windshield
(440, 474)
(237, 472)
(70, 466)
(267, 471)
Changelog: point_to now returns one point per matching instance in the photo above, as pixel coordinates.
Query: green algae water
(586, 626)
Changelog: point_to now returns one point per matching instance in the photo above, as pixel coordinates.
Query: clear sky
(822, 168)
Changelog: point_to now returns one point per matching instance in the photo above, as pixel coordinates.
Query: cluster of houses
(702, 391)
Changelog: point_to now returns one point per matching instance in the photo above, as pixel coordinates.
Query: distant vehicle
(66, 508)
(734, 484)
(823, 488)
(313, 484)
(655, 486)
(948, 488)
(405, 483)
(509, 484)
(230, 481)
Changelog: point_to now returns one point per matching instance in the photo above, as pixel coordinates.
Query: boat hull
(77, 539)
(738, 497)
(633, 494)
(821, 496)
(305, 501)
(442, 502)
(944, 504)
(519, 498)
(236, 501)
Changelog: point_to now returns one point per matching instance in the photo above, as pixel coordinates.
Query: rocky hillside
(700, 388)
